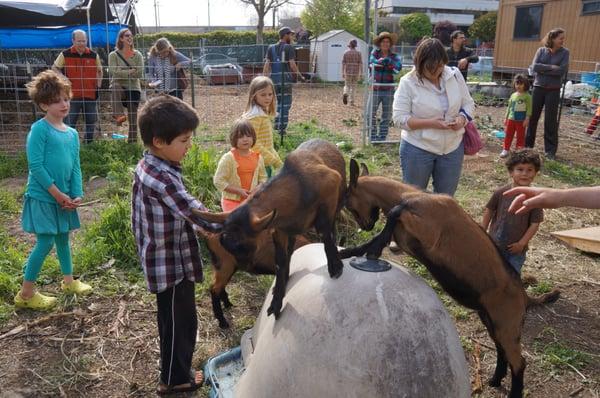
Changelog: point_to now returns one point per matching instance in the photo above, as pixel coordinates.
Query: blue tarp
(56, 37)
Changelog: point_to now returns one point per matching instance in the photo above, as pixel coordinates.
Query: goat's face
(358, 202)
(240, 232)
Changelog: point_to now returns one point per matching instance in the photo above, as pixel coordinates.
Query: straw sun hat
(385, 35)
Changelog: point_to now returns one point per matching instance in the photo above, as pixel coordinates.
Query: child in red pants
(517, 114)
(594, 122)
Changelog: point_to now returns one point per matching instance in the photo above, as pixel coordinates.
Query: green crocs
(76, 287)
(37, 302)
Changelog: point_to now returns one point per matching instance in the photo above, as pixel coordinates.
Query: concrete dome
(365, 334)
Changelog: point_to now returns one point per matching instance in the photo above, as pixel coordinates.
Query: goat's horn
(211, 217)
(260, 223)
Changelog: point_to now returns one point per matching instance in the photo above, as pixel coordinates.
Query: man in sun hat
(351, 71)
(383, 65)
(280, 63)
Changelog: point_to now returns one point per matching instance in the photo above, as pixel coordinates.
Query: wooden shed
(522, 24)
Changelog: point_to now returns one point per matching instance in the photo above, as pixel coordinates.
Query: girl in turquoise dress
(54, 189)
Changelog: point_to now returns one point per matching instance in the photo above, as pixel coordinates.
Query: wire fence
(218, 90)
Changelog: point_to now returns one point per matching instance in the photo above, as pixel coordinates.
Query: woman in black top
(549, 67)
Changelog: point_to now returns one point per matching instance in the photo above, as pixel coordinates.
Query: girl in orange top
(240, 170)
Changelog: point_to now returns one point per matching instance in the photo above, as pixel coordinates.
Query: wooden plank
(585, 239)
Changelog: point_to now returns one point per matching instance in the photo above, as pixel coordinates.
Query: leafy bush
(100, 157)
(414, 26)
(484, 27)
(111, 236)
(199, 166)
(214, 38)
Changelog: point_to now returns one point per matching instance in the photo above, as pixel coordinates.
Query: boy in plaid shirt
(162, 223)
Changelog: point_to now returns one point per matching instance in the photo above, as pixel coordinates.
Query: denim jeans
(385, 98)
(88, 107)
(284, 103)
(418, 166)
(515, 260)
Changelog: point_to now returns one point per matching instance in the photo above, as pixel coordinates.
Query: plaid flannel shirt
(162, 223)
(384, 68)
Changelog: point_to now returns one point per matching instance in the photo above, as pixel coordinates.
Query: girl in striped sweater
(260, 112)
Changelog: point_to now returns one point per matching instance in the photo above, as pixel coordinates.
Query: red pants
(594, 123)
(511, 127)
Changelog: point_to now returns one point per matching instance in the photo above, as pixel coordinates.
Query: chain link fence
(219, 77)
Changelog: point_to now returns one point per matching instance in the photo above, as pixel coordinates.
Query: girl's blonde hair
(257, 84)
(47, 87)
(160, 45)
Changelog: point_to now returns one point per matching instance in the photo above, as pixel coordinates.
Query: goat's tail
(544, 298)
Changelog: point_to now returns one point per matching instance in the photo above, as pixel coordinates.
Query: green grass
(101, 157)
(12, 166)
(577, 175)
(558, 356)
(540, 288)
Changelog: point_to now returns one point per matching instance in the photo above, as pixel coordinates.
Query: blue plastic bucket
(591, 78)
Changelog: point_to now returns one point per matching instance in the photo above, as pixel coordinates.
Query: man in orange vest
(83, 68)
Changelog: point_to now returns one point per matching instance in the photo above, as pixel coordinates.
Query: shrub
(214, 38)
(414, 26)
(484, 27)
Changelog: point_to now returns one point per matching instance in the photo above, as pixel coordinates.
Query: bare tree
(262, 7)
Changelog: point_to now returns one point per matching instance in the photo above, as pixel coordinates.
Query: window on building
(528, 22)
(590, 7)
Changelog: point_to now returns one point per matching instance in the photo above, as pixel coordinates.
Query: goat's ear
(260, 223)
(211, 217)
(364, 170)
(353, 173)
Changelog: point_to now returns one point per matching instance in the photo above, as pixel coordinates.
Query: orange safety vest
(81, 69)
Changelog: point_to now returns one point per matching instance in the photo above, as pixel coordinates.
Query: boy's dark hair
(521, 79)
(165, 117)
(47, 87)
(429, 55)
(240, 128)
(524, 156)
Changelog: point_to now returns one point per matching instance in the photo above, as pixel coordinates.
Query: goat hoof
(227, 304)
(336, 273)
(493, 382)
(274, 310)
(224, 324)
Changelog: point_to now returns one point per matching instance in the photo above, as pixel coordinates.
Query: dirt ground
(106, 346)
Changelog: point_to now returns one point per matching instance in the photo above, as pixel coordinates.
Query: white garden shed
(328, 50)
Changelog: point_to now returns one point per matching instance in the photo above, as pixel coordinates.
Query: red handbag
(472, 139)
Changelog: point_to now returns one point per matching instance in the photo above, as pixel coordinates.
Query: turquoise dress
(53, 158)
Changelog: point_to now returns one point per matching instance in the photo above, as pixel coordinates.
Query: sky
(195, 12)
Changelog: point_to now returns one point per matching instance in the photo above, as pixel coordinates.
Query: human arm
(521, 244)
(294, 69)
(562, 67)
(402, 113)
(267, 65)
(469, 57)
(264, 141)
(137, 66)
(59, 64)
(550, 69)
(99, 72)
(182, 60)
(487, 217)
(115, 69)
(76, 188)
(527, 198)
(262, 172)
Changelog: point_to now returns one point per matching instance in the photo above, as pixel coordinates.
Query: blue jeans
(385, 98)
(88, 107)
(418, 166)
(284, 103)
(515, 260)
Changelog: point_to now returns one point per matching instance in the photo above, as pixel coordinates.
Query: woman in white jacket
(432, 105)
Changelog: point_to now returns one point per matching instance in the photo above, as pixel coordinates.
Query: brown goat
(458, 253)
(224, 265)
(307, 192)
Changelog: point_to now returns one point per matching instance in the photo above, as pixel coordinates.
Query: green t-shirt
(519, 107)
